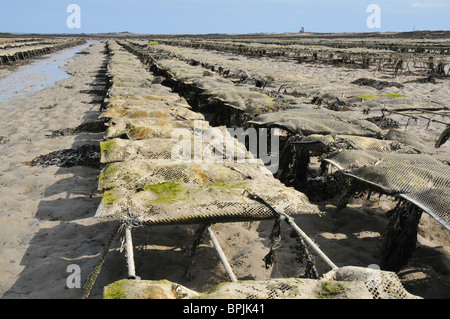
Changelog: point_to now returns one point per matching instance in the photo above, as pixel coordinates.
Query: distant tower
(302, 30)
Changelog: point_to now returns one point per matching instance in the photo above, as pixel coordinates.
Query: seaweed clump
(85, 155)
(384, 122)
(377, 84)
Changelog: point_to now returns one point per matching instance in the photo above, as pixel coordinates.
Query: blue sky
(221, 16)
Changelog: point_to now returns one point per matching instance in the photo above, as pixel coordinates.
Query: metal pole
(300, 232)
(222, 256)
(324, 257)
(129, 252)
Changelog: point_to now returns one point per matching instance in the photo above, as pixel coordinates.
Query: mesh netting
(135, 100)
(288, 288)
(152, 109)
(117, 150)
(404, 178)
(146, 128)
(137, 131)
(423, 178)
(241, 98)
(160, 191)
(139, 173)
(154, 177)
(342, 283)
(316, 121)
(136, 91)
(182, 203)
(151, 179)
(152, 120)
(328, 143)
(410, 139)
(251, 72)
(381, 284)
(434, 201)
(356, 158)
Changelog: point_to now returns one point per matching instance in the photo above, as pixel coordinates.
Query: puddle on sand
(37, 75)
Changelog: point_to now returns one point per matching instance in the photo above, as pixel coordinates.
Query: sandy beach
(44, 209)
(47, 212)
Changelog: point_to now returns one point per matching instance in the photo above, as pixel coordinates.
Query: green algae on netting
(109, 198)
(169, 191)
(104, 178)
(122, 289)
(116, 290)
(146, 289)
(329, 289)
(111, 176)
(107, 146)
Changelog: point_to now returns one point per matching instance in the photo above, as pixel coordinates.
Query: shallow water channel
(37, 75)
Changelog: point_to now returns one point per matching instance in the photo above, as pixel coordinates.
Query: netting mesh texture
(144, 185)
(308, 120)
(421, 177)
(341, 283)
(381, 284)
(152, 178)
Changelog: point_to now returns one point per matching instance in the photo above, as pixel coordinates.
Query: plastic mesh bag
(315, 121)
(139, 173)
(421, 178)
(342, 283)
(181, 203)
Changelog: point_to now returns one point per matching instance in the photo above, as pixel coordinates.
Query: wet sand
(46, 212)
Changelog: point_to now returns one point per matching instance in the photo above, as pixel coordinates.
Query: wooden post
(191, 250)
(401, 237)
(301, 168)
